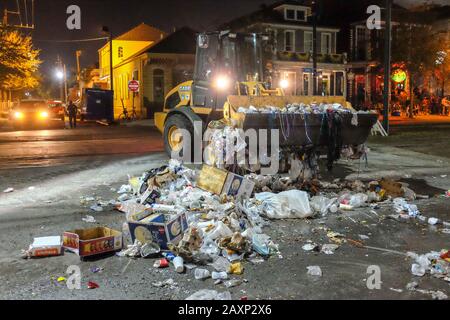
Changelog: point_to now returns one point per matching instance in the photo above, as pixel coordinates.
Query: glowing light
(284, 83)
(18, 115)
(44, 114)
(399, 75)
(222, 82)
(59, 74)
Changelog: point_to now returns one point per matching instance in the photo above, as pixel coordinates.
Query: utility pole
(111, 52)
(78, 54)
(314, 57)
(387, 65)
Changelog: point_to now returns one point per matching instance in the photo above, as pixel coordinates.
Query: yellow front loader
(228, 77)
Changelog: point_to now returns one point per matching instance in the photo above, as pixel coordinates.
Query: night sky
(122, 15)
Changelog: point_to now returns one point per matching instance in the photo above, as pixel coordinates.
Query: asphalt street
(52, 170)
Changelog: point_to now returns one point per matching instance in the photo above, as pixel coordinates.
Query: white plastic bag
(285, 205)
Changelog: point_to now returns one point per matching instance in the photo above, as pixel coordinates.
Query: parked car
(57, 109)
(30, 113)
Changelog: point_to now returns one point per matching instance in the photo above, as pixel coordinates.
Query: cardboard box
(220, 182)
(90, 242)
(45, 247)
(156, 229)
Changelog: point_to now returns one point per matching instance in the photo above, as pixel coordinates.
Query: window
(289, 41)
(308, 42)
(326, 43)
(289, 14)
(301, 15)
(295, 15)
(120, 54)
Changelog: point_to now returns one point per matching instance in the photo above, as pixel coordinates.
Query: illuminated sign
(398, 75)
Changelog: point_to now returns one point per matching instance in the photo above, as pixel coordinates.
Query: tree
(19, 60)
(416, 47)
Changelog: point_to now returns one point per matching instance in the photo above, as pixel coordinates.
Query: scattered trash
(96, 269)
(161, 263)
(96, 208)
(417, 270)
(45, 247)
(329, 248)
(396, 290)
(8, 190)
(92, 285)
(314, 271)
(433, 221)
(90, 242)
(202, 274)
(178, 263)
(61, 279)
(310, 247)
(149, 249)
(219, 275)
(89, 219)
(232, 283)
(206, 294)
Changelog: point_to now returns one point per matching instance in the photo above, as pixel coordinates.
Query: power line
(72, 41)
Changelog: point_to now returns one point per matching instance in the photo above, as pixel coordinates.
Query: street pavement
(61, 166)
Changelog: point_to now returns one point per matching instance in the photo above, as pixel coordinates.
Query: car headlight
(18, 115)
(43, 114)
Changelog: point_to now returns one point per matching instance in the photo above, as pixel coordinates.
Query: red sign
(133, 86)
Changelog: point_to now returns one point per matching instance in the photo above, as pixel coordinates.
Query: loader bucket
(299, 129)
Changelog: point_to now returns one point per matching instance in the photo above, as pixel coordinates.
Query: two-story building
(290, 56)
(158, 61)
(366, 55)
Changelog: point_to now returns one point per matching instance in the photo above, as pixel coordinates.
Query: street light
(59, 75)
(62, 77)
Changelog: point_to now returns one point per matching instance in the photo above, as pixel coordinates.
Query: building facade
(290, 54)
(158, 66)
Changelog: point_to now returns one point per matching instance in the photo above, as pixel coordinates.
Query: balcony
(307, 57)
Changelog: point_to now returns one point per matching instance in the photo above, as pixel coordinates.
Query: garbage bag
(285, 205)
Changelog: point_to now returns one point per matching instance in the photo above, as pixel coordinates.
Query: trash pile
(299, 108)
(194, 217)
(211, 220)
(436, 264)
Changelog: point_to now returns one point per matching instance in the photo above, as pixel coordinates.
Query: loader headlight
(222, 82)
(43, 114)
(284, 84)
(18, 115)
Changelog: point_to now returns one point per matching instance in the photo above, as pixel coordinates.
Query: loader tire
(173, 141)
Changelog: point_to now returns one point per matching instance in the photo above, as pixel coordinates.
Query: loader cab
(224, 61)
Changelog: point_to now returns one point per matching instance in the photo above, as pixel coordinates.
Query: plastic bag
(261, 244)
(322, 204)
(285, 205)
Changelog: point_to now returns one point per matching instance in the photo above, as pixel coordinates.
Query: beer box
(158, 230)
(221, 182)
(91, 242)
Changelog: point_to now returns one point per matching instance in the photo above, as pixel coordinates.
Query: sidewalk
(140, 123)
(419, 120)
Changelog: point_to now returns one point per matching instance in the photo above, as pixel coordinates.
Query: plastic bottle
(178, 263)
(219, 275)
(201, 274)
